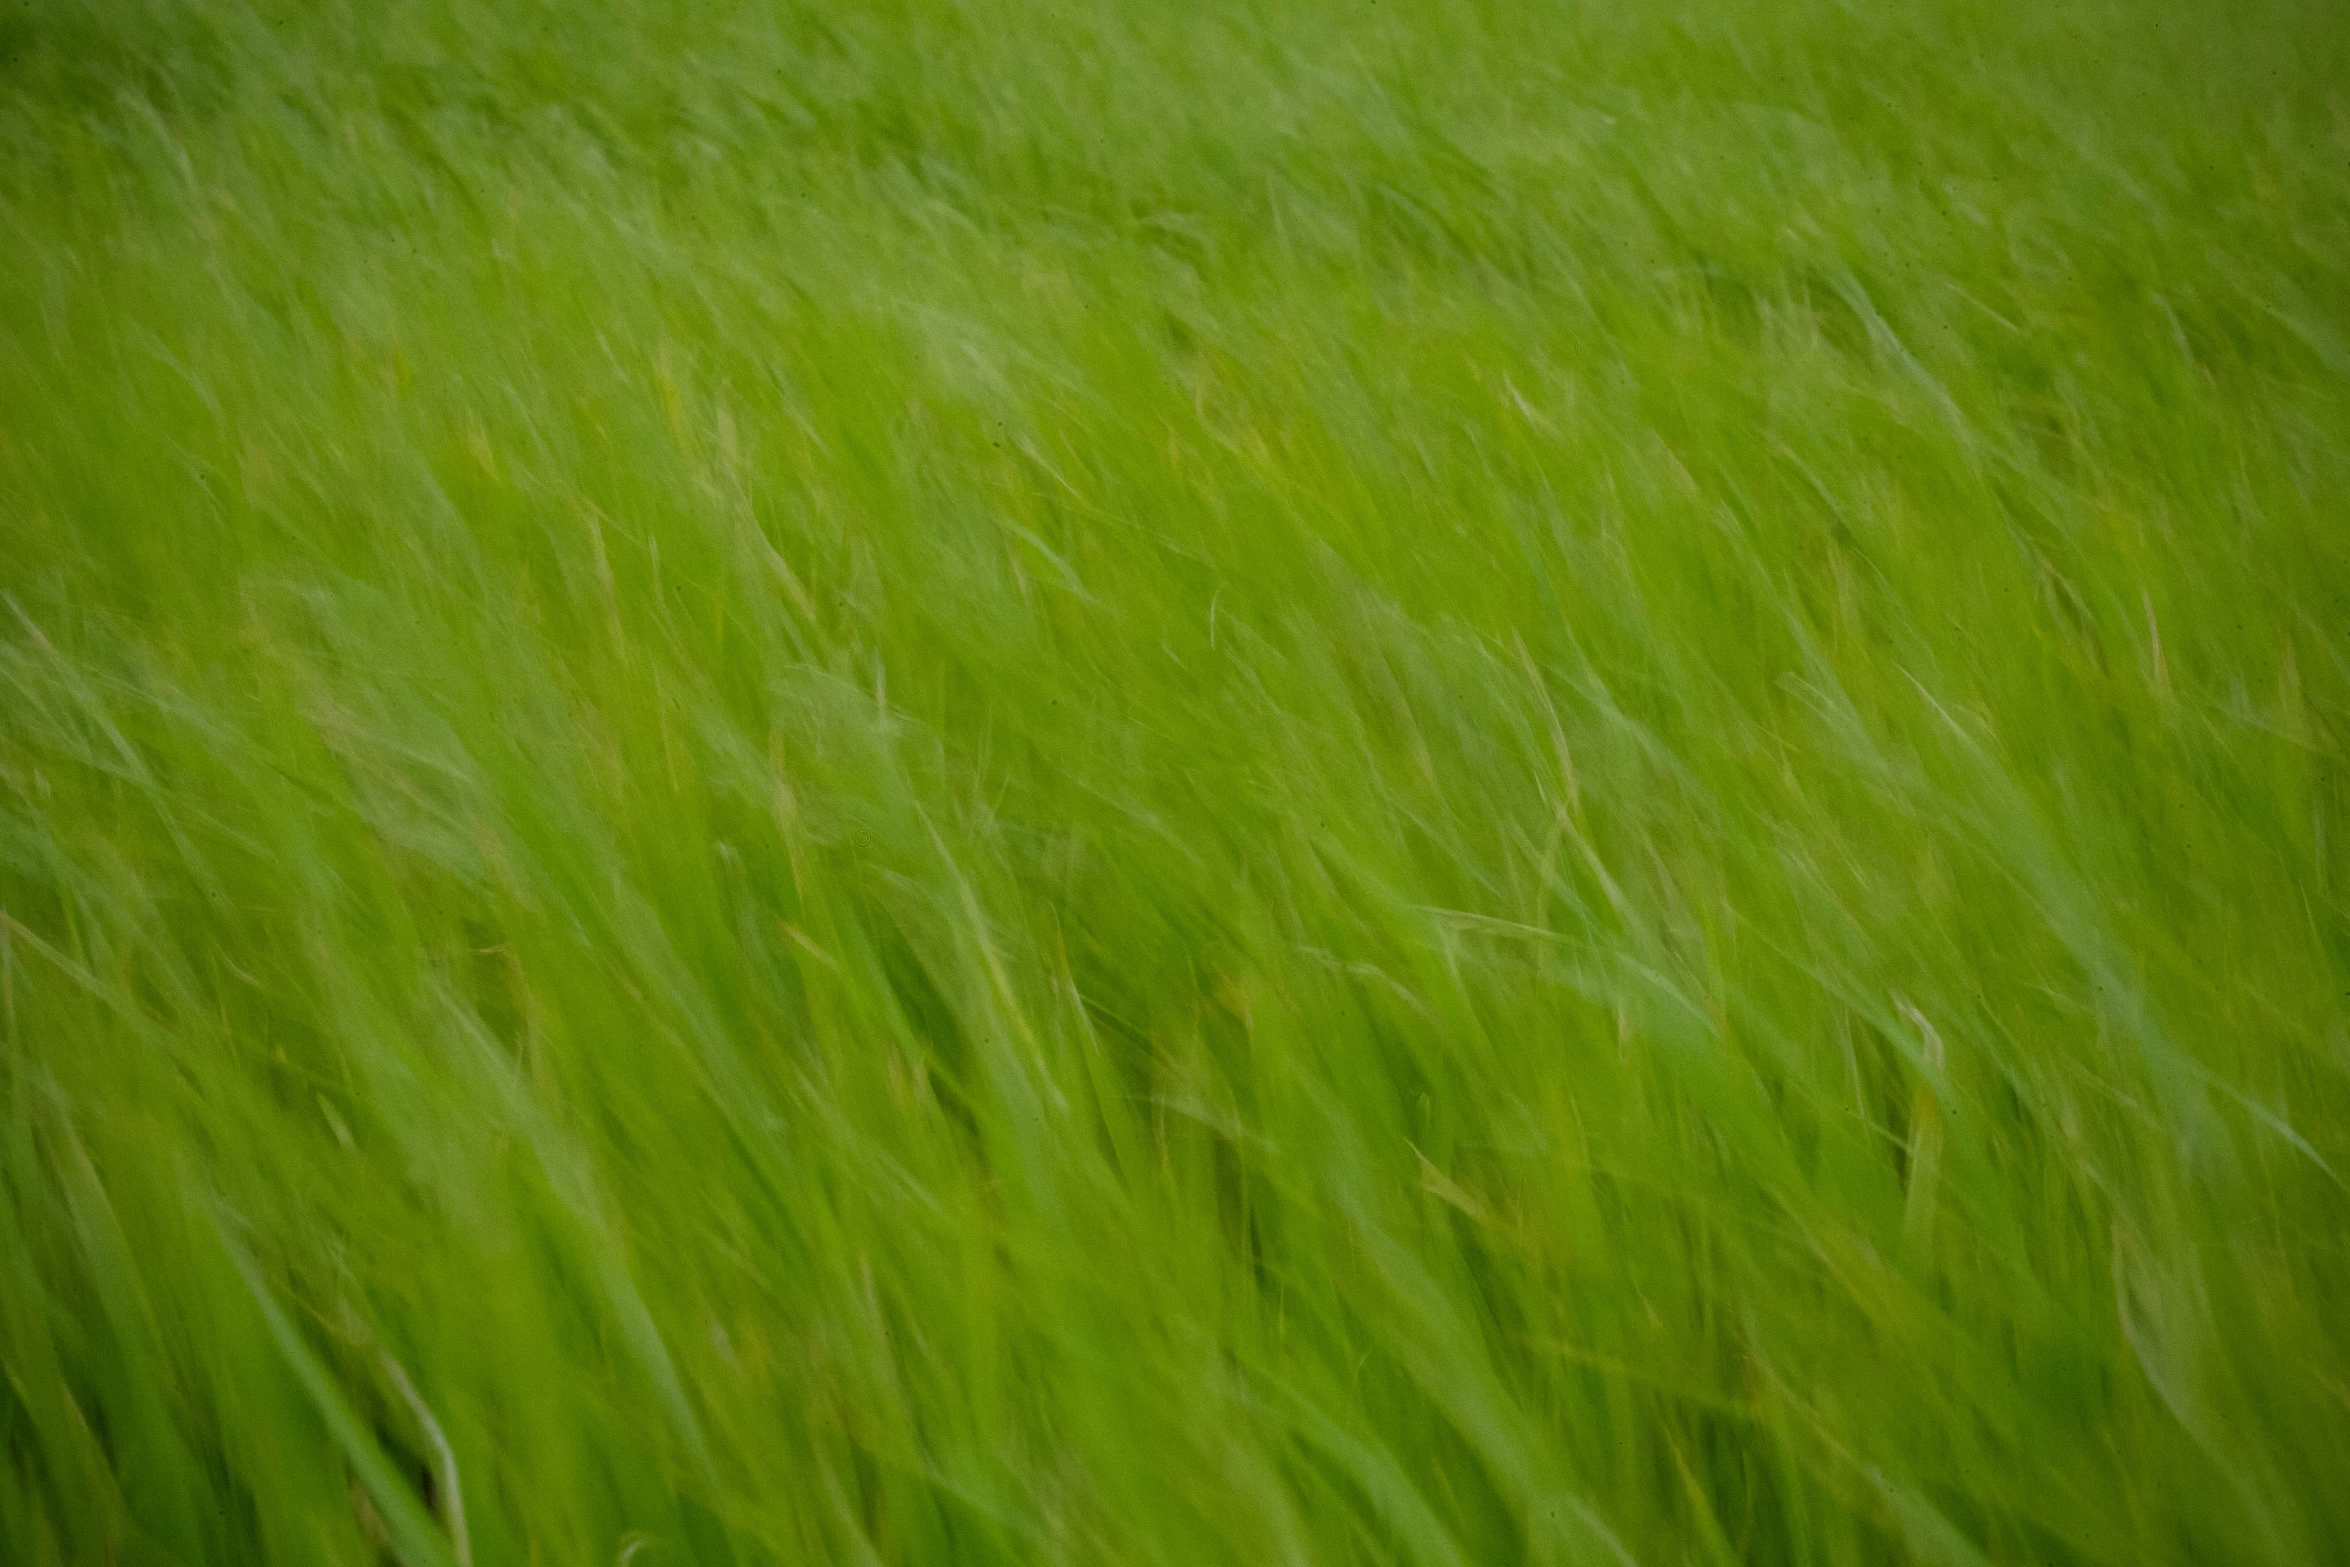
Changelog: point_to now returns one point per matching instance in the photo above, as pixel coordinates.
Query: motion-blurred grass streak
(1447, 783)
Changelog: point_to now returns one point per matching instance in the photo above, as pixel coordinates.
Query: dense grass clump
(1453, 782)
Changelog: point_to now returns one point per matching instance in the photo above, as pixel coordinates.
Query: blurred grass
(1454, 783)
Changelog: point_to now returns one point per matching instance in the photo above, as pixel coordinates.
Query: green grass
(1437, 782)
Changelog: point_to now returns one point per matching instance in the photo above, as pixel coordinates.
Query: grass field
(1360, 781)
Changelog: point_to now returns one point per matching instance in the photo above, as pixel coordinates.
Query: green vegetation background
(1439, 781)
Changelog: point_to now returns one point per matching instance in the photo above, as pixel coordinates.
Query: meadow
(1434, 782)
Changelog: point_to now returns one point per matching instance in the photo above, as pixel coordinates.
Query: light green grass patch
(1448, 783)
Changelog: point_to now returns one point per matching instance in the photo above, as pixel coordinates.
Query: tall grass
(1440, 783)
